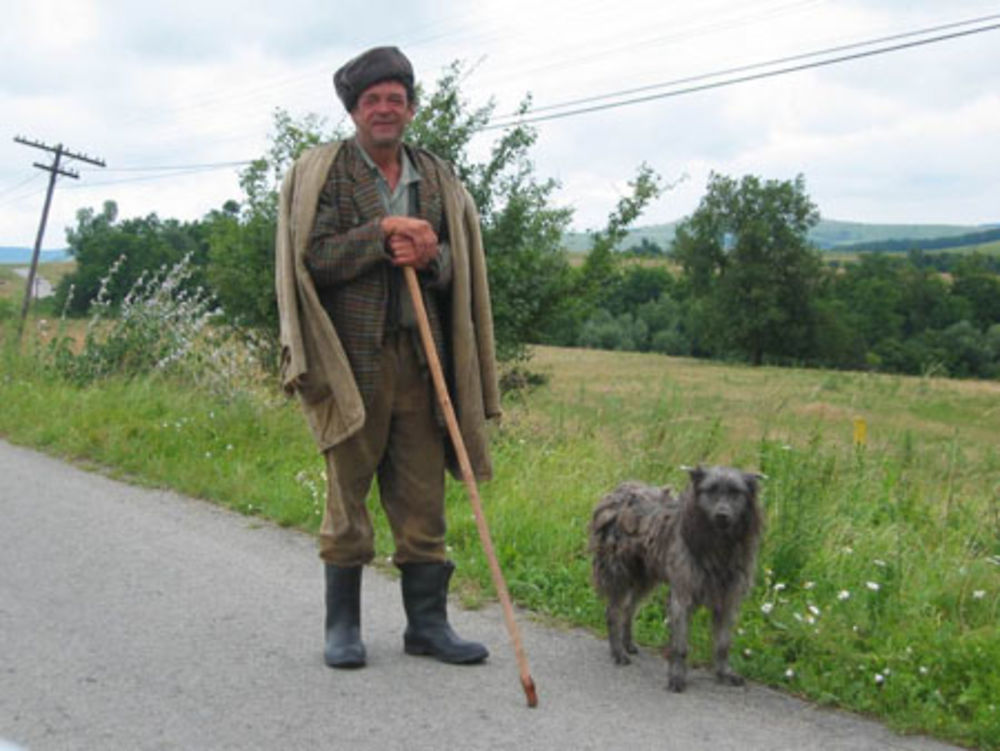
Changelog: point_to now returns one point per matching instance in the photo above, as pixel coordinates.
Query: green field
(879, 579)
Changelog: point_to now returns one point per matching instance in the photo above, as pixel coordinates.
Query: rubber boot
(425, 598)
(343, 617)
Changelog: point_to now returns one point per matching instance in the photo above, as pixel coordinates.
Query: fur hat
(371, 67)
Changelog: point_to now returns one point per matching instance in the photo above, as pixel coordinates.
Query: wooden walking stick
(470, 481)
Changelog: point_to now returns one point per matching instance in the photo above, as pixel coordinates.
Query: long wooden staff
(470, 481)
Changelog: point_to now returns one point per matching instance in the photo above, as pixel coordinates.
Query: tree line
(740, 281)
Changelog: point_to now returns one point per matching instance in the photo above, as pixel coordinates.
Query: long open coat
(313, 362)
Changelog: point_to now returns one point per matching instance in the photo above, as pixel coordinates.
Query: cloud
(907, 136)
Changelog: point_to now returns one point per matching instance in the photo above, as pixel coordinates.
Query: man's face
(382, 114)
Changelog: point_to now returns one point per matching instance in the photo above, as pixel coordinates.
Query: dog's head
(726, 496)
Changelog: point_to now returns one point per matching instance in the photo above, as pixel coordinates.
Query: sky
(173, 97)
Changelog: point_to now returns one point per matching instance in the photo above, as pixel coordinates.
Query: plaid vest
(357, 285)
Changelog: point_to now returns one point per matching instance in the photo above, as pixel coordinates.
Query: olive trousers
(402, 444)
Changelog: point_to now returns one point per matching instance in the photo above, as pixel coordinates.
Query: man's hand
(411, 241)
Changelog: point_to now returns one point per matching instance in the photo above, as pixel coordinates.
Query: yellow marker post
(860, 431)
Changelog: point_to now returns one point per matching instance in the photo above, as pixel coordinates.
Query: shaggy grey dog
(704, 543)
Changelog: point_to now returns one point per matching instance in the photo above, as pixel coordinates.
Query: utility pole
(53, 170)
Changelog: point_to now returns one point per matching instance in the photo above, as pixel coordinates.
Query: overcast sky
(911, 136)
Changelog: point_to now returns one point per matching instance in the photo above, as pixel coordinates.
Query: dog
(703, 543)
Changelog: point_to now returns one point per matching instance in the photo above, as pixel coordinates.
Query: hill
(828, 234)
(10, 254)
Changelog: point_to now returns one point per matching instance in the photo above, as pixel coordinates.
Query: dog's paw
(631, 649)
(677, 684)
(730, 679)
(618, 654)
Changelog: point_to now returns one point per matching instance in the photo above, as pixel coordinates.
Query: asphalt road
(140, 619)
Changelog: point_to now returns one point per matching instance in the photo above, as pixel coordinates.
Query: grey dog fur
(703, 543)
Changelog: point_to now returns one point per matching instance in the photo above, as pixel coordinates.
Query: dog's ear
(753, 479)
(697, 474)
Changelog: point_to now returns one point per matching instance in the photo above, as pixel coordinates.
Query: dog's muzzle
(722, 519)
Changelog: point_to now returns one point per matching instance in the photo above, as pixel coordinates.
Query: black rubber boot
(425, 598)
(343, 617)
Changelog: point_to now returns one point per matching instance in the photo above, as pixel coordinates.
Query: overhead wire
(589, 54)
(165, 172)
(526, 117)
(762, 64)
(11, 195)
(538, 114)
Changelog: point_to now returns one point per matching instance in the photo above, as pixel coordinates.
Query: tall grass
(879, 581)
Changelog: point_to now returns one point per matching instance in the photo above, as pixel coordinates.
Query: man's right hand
(411, 241)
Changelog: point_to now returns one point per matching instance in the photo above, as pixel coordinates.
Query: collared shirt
(397, 202)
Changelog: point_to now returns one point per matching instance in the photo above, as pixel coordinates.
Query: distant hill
(14, 255)
(827, 235)
(834, 234)
(945, 242)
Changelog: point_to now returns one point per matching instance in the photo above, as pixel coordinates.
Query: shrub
(154, 328)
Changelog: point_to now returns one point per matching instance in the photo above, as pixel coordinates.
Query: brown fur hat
(374, 66)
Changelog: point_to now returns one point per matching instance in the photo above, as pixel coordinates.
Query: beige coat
(313, 362)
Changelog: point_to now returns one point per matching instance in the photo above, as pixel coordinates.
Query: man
(352, 215)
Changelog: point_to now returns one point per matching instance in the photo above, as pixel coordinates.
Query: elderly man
(352, 215)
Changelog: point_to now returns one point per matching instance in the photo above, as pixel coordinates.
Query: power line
(20, 191)
(587, 53)
(764, 64)
(167, 167)
(30, 178)
(511, 120)
(172, 172)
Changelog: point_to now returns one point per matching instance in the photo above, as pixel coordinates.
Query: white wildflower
(873, 586)
(979, 594)
(843, 595)
(766, 608)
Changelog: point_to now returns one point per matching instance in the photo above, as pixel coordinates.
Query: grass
(879, 580)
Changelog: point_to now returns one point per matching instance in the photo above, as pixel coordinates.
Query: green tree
(871, 291)
(600, 275)
(529, 272)
(645, 249)
(241, 236)
(598, 284)
(139, 245)
(746, 255)
(977, 283)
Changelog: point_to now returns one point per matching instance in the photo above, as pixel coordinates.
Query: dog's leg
(680, 608)
(615, 615)
(631, 605)
(723, 617)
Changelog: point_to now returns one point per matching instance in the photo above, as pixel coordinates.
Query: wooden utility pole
(53, 170)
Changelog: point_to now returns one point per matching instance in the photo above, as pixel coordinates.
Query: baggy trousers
(402, 443)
